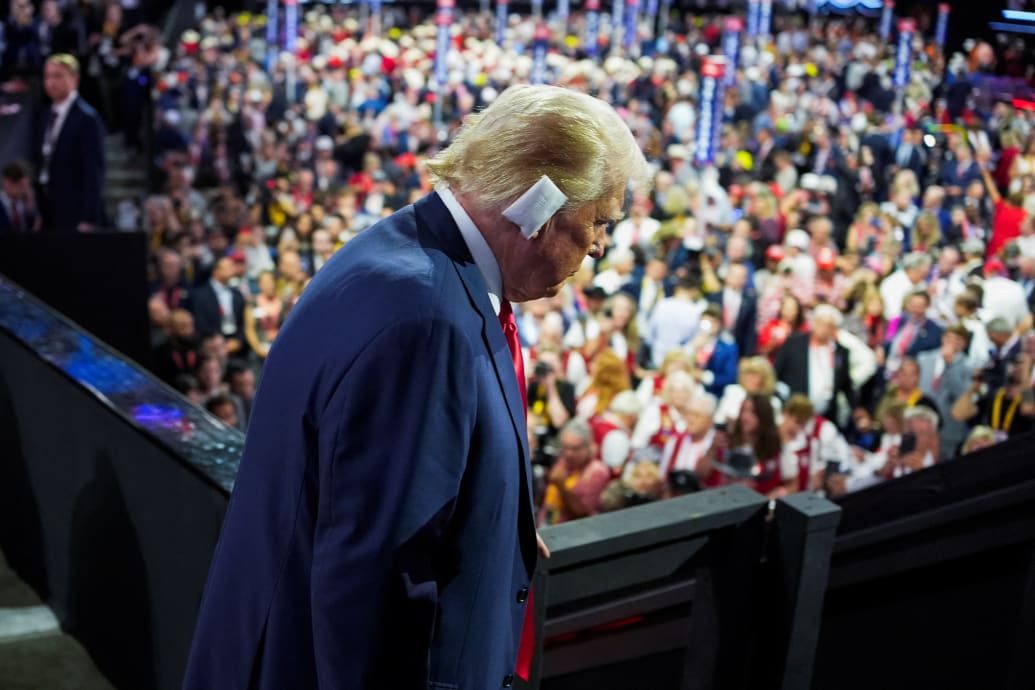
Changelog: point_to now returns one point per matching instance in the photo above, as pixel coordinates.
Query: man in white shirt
(675, 320)
(909, 278)
(638, 229)
(1002, 297)
(622, 261)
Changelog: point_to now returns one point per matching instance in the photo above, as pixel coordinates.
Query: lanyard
(997, 409)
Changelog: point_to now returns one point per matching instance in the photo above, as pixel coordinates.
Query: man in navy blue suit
(69, 153)
(381, 530)
(739, 308)
(17, 208)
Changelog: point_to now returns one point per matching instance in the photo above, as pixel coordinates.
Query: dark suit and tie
(210, 315)
(740, 317)
(15, 216)
(792, 365)
(908, 338)
(69, 154)
(381, 532)
(910, 157)
(374, 524)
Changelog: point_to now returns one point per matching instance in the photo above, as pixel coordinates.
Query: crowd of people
(844, 297)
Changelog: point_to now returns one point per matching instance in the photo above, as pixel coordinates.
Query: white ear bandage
(536, 206)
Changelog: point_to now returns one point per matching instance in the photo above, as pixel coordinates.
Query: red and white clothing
(649, 390)
(808, 453)
(682, 452)
(613, 439)
(657, 424)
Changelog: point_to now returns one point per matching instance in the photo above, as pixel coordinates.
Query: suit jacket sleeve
(844, 376)
(782, 361)
(747, 339)
(92, 162)
(405, 412)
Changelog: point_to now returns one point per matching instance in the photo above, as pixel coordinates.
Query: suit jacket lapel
(436, 219)
(66, 126)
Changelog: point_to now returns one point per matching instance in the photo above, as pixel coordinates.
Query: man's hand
(914, 460)
(85, 227)
(837, 485)
(543, 549)
(557, 475)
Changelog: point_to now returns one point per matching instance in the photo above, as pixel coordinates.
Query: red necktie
(527, 649)
(906, 339)
(16, 218)
(510, 332)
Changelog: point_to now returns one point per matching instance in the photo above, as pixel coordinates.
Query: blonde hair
(610, 377)
(530, 131)
(979, 434)
(67, 61)
(677, 356)
(933, 224)
(762, 367)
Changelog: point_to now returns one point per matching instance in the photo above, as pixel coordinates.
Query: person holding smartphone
(919, 446)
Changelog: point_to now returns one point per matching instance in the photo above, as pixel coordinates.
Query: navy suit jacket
(792, 369)
(927, 337)
(28, 221)
(723, 365)
(745, 328)
(76, 171)
(381, 532)
(208, 318)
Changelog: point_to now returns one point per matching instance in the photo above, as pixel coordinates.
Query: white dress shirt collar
(62, 107)
(483, 257)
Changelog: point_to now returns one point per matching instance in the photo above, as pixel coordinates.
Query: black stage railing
(932, 582)
(112, 492)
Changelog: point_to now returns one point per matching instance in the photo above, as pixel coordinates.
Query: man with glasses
(577, 479)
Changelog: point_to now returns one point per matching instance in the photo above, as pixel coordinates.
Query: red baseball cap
(826, 259)
(774, 252)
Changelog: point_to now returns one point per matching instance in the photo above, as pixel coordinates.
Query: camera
(908, 444)
(542, 370)
(631, 498)
(683, 482)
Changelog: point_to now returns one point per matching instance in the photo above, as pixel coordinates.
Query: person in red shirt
(791, 319)
(1009, 214)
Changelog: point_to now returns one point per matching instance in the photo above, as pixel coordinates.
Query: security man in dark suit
(17, 208)
(69, 153)
(816, 365)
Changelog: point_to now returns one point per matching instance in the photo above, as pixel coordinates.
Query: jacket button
(508, 680)
(522, 595)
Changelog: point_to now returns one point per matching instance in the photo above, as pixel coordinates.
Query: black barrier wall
(104, 520)
(932, 582)
(711, 591)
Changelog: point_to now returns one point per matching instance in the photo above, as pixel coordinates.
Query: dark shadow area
(933, 579)
(75, 273)
(21, 534)
(108, 601)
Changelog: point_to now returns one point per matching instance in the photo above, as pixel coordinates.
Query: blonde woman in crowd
(755, 376)
(608, 378)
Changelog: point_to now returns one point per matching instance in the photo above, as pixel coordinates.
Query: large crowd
(844, 297)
